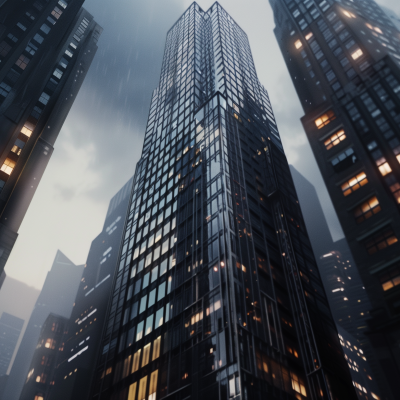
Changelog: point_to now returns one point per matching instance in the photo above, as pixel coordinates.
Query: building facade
(10, 329)
(46, 48)
(57, 296)
(82, 341)
(344, 60)
(40, 378)
(217, 294)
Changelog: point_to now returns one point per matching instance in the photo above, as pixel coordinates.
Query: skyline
(69, 210)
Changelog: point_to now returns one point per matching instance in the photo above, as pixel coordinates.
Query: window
(132, 391)
(153, 385)
(56, 13)
(4, 48)
(309, 36)
(367, 209)
(57, 73)
(380, 241)
(139, 333)
(45, 28)
(354, 183)
(390, 279)
(344, 160)
(26, 131)
(335, 139)
(22, 61)
(356, 54)
(146, 354)
(297, 384)
(4, 89)
(298, 44)
(38, 38)
(18, 146)
(325, 119)
(8, 166)
(149, 324)
(20, 26)
(156, 348)
(142, 389)
(44, 98)
(136, 360)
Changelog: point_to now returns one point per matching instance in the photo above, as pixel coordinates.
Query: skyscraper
(46, 48)
(217, 294)
(41, 369)
(344, 60)
(10, 329)
(57, 297)
(76, 364)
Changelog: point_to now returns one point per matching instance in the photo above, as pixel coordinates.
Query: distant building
(46, 48)
(41, 370)
(76, 364)
(344, 61)
(10, 329)
(57, 297)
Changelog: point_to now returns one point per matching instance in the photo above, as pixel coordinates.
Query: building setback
(40, 377)
(10, 329)
(76, 364)
(344, 60)
(46, 48)
(57, 297)
(218, 294)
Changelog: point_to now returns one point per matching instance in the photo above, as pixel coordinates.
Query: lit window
(153, 385)
(56, 12)
(348, 14)
(297, 385)
(298, 44)
(8, 166)
(390, 279)
(367, 209)
(384, 168)
(136, 360)
(325, 119)
(38, 398)
(309, 36)
(380, 241)
(354, 183)
(146, 354)
(142, 389)
(26, 131)
(132, 391)
(156, 348)
(335, 139)
(356, 54)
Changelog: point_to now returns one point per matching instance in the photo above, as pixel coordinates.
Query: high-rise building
(10, 329)
(218, 294)
(57, 297)
(2, 278)
(76, 364)
(344, 60)
(346, 294)
(40, 378)
(46, 48)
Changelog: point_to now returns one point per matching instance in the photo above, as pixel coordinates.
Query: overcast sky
(101, 140)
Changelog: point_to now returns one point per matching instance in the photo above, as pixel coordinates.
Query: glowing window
(354, 183)
(298, 44)
(298, 385)
(357, 54)
(390, 279)
(132, 391)
(335, 139)
(367, 209)
(156, 348)
(325, 119)
(8, 166)
(146, 354)
(153, 385)
(136, 360)
(142, 389)
(309, 36)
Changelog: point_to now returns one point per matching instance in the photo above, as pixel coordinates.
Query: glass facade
(217, 293)
(344, 60)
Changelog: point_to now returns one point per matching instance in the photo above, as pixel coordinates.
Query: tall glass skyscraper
(46, 48)
(344, 60)
(217, 294)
